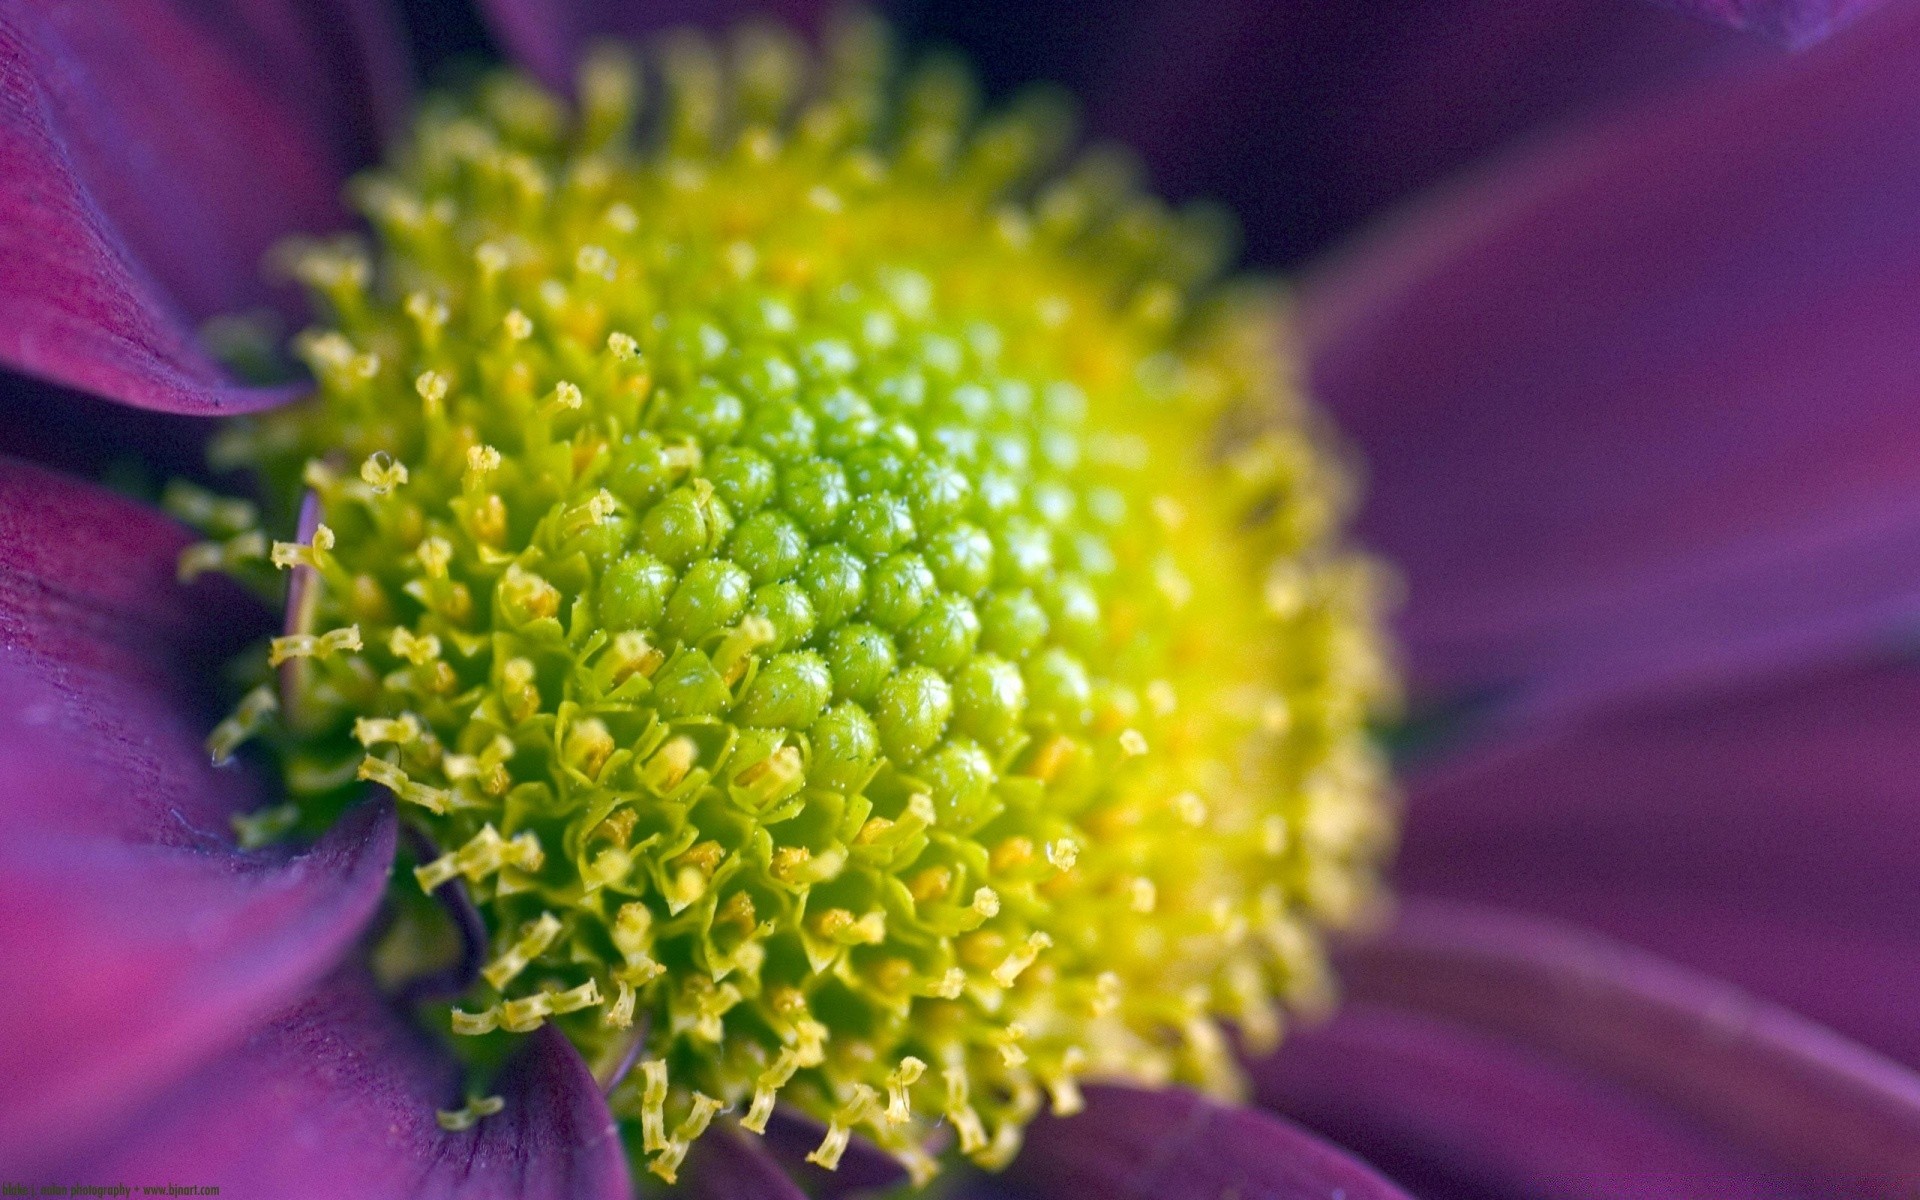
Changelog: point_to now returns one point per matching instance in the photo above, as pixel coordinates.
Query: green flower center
(861, 606)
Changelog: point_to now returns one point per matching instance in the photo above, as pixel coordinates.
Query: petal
(152, 152)
(1803, 1098)
(547, 36)
(1768, 836)
(726, 1164)
(1637, 405)
(1448, 1112)
(1170, 1144)
(138, 939)
(1307, 118)
(337, 1098)
(1789, 22)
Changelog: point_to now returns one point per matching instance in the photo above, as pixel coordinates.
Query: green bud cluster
(855, 597)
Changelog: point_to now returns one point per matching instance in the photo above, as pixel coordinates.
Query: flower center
(859, 606)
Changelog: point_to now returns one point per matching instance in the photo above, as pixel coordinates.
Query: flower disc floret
(852, 596)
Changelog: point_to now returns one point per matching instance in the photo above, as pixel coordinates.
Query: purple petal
(138, 939)
(1448, 1112)
(1793, 23)
(1770, 836)
(727, 1164)
(1636, 407)
(1805, 1099)
(1170, 1144)
(150, 154)
(548, 36)
(1307, 118)
(337, 1098)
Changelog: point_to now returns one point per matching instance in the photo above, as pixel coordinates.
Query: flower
(181, 1006)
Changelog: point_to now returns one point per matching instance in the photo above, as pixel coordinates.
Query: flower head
(859, 604)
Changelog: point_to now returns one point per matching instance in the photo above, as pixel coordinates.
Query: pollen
(820, 561)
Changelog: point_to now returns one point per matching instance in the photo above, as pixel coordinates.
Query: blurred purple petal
(139, 940)
(727, 1164)
(1171, 1144)
(151, 152)
(1767, 836)
(128, 964)
(547, 36)
(1637, 408)
(1789, 22)
(1806, 1100)
(1450, 1113)
(337, 1098)
(1306, 118)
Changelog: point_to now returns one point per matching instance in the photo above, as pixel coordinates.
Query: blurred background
(1303, 118)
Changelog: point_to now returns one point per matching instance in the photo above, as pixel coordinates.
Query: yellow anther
(248, 717)
(594, 260)
(588, 746)
(1063, 853)
(619, 1014)
(431, 386)
(312, 553)
(434, 554)
(490, 257)
(899, 1108)
(517, 324)
(527, 597)
(535, 598)
(566, 398)
(461, 1119)
(622, 346)
(653, 1106)
(966, 1122)
(773, 776)
(699, 1116)
(1063, 1086)
(527, 1013)
(513, 960)
(840, 1128)
(1144, 896)
(382, 473)
(631, 653)
(429, 317)
(307, 645)
(482, 460)
(1132, 743)
(386, 731)
(586, 995)
(201, 557)
(205, 510)
(418, 649)
(765, 1088)
(378, 770)
(1012, 1053)
(1020, 959)
(468, 1024)
(1190, 808)
(483, 854)
(670, 764)
(734, 652)
(949, 985)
